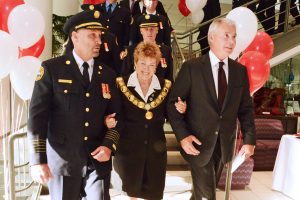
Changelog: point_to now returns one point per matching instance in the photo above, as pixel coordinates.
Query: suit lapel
(74, 67)
(208, 76)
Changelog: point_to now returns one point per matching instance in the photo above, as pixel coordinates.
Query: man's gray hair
(219, 21)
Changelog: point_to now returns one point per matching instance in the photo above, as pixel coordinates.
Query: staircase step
(171, 140)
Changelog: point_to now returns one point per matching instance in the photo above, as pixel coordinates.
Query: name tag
(65, 81)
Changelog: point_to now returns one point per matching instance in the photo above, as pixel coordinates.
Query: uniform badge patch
(40, 74)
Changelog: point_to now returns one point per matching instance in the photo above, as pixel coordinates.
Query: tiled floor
(178, 185)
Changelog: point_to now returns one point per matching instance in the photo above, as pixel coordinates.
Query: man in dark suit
(211, 10)
(207, 130)
(70, 146)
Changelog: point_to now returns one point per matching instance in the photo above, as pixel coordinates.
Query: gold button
(99, 72)
(87, 94)
(68, 62)
(65, 91)
(87, 110)
(86, 124)
(107, 26)
(85, 138)
(108, 20)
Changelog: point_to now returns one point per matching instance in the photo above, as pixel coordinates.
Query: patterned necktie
(109, 11)
(85, 74)
(222, 85)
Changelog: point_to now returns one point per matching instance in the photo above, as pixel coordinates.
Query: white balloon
(9, 53)
(246, 28)
(23, 76)
(26, 24)
(195, 5)
(197, 17)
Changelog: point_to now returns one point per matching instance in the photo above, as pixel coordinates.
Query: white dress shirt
(80, 62)
(214, 61)
(133, 82)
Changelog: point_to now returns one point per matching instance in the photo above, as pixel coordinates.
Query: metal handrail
(177, 44)
(185, 39)
(12, 168)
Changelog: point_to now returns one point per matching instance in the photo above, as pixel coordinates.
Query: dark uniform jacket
(117, 23)
(70, 119)
(163, 36)
(142, 150)
(204, 119)
(164, 69)
(110, 52)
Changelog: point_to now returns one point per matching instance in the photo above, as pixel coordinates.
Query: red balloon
(183, 8)
(94, 2)
(35, 50)
(263, 43)
(258, 69)
(5, 8)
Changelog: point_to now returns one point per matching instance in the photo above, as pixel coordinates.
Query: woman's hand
(110, 121)
(180, 106)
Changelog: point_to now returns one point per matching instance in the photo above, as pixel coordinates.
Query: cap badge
(96, 14)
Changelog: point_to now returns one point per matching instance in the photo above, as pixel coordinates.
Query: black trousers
(90, 187)
(206, 178)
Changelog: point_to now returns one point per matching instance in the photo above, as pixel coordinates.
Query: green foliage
(59, 37)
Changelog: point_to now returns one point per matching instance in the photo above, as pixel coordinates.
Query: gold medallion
(141, 104)
(149, 115)
(147, 106)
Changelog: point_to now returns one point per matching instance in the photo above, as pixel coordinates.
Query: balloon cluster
(257, 47)
(21, 42)
(195, 7)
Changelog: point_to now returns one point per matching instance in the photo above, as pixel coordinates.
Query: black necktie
(109, 11)
(85, 74)
(222, 85)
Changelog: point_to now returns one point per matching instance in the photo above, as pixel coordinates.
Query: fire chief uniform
(70, 119)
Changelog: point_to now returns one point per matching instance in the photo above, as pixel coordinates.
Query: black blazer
(203, 118)
(70, 118)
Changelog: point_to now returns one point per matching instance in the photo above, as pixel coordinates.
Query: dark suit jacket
(203, 118)
(70, 119)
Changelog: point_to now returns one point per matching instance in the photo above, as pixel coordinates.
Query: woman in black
(141, 157)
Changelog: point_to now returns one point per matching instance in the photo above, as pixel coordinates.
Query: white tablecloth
(286, 173)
